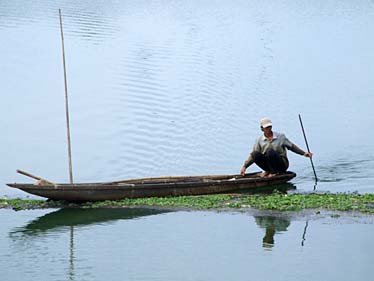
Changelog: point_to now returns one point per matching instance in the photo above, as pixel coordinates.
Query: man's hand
(308, 154)
(242, 171)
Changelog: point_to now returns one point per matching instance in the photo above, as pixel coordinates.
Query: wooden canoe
(153, 187)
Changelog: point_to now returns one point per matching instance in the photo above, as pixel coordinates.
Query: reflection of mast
(304, 233)
(71, 257)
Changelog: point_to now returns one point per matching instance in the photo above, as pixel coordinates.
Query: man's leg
(275, 162)
(261, 161)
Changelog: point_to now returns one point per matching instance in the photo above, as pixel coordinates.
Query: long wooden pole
(66, 101)
(33, 176)
(307, 146)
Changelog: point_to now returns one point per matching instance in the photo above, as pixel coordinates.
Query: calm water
(138, 244)
(177, 88)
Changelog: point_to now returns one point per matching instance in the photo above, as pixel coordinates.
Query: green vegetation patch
(194, 202)
(276, 201)
(297, 202)
(23, 204)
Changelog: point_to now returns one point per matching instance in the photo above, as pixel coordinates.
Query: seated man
(269, 151)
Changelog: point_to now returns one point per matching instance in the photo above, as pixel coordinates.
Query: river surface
(177, 88)
(145, 244)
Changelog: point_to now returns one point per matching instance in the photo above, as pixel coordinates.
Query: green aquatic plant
(24, 204)
(276, 201)
(20, 204)
(297, 202)
(196, 202)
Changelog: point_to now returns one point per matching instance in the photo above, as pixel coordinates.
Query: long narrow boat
(153, 187)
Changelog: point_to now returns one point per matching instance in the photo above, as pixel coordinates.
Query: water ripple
(178, 87)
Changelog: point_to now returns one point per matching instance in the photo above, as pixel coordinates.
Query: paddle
(307, 146)
(40, 181)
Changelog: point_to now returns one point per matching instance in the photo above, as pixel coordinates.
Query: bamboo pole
(28, 174)
(34, 177)
(66, 101)
(307, 146)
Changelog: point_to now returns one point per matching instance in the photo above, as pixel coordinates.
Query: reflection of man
(271, 225)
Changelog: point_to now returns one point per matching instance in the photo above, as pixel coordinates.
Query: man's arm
(294, 148)
(247, 163)
(250, 159)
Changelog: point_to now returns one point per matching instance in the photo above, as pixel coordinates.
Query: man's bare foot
(264, 174)
(272, 175)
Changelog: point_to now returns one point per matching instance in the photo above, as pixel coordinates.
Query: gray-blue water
(141, 244)
(177, 88)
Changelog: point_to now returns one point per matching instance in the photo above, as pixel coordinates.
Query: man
(269, 151)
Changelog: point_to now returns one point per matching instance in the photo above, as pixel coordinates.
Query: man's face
(267, 129)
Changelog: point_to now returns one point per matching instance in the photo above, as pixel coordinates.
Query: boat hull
(153, 187)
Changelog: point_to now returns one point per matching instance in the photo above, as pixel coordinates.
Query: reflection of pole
(71, 257)
(304, 233)
(66, 102)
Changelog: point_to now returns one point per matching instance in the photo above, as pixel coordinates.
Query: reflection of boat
(69, 217)
(153, 187)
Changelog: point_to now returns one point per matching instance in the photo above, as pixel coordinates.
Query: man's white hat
(265, 122)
